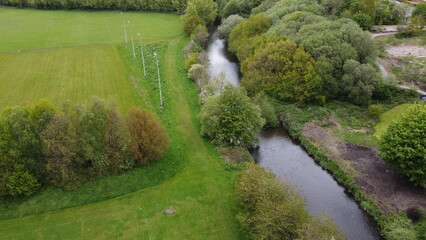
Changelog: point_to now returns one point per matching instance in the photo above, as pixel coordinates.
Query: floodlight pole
(124, 26)
(133, 44)
(159, 82)
(143, 59)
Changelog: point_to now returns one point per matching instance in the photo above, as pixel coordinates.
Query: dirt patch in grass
(377, 180)
(406, 51)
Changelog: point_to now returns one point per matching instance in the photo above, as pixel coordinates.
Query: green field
(388, 117)
(33, 29)
(191, 178)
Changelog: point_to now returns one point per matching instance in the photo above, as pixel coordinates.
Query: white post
(159, 82)
(133, 44)
(124, 26)
(143, 59)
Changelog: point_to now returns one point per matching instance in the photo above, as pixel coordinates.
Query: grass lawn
(75, 74)
(32, 29)
(191, 178)
(389, 116)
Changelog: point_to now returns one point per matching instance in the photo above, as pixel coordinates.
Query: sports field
(191, 178)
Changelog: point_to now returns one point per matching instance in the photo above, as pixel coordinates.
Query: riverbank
(340, 137)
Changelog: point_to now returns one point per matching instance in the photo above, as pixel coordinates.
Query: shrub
(21, 183)
(227, 25)
(191, 23)
(398, 227)
(375, 110)
(204, 9)
(191, 60)
(404, 144)
(200, 35)
(230, 118)
(363, 20)
(149, 139)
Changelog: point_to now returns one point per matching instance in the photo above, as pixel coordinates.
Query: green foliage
(230, 118)
(420, 10)
(278, 9)
(191, 60)
(191, 23)
(228, 24)
(204, 9)
(358, 82)
(241, 33)
(267, 111)
(333, 7)
(375, 110)
(149, 139)
(200, 35)
(21, 182)
(284, 70)
(398, 227)
(404, 144)
(271, 209)
(363, 20)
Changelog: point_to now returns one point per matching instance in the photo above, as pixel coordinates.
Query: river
(287, 160)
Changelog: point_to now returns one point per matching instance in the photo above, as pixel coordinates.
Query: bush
(191, 23)
(149, 139)
(191, 60)
(227, 25)
(404, 144)
(230, 118)
(22, 183)
(375, 110)
(363, 20)
(204, 9)
(398, 227)
(200, 35)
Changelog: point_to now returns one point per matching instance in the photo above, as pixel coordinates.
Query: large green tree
(284, 70)
(231, 118)
(404, 144)
(204, 9)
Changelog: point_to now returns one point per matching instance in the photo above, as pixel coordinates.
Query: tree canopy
(230, 118)
(404, 144)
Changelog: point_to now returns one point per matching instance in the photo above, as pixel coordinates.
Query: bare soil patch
(406, 51)
(378, 181)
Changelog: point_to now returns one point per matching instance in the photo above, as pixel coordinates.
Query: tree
(284, 70)
(404, 144)
(227, 25)
(191, 23)
(253, 26)
(117, 140)
(200, 35)
(230, 118)
(333, 7)
(358, 82)
(64, 163)
(321, 228)
(363, 20)
(420, 10)
(149, 139)
(204, 9)
(21, 182)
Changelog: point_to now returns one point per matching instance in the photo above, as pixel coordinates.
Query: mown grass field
(32, 29)
(388, 117)
(191, 178)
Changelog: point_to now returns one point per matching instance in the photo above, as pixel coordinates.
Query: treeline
(136, 5)
(43, 145)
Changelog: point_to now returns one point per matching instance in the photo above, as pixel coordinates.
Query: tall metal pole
(124, 26)
(143, 59)
(159, 82)
(131, 37)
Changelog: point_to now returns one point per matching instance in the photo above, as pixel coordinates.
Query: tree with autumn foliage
(149, 139)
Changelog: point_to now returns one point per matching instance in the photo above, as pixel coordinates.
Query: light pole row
(143, 59)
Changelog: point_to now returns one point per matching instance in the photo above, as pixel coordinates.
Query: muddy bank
(379, 182)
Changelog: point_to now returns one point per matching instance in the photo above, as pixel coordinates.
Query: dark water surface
(287, 160)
